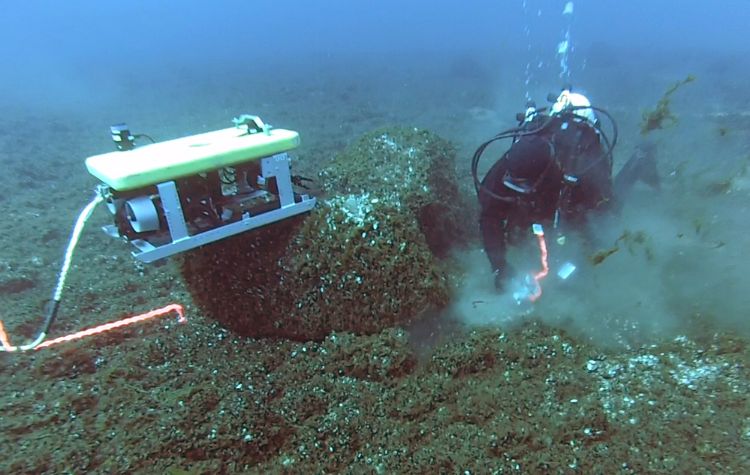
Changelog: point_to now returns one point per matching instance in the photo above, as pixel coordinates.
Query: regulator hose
(521, 131)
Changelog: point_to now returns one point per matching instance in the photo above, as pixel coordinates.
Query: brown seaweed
(599, 256)
(654, 119)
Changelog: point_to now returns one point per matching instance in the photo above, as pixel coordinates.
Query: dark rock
(367, 258)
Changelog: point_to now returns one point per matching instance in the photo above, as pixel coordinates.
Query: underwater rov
(172, 196)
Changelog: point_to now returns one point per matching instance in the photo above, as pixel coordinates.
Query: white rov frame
(277, 166)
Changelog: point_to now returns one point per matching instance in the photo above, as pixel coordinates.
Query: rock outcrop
(368, 257)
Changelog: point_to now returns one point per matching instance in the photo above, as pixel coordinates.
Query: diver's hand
(503, 275)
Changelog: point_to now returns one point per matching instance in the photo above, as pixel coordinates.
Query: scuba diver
(557, 172)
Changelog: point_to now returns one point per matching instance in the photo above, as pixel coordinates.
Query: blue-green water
(639, 366)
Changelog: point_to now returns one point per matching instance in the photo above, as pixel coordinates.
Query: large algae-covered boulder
(411, 168)
(366, 258)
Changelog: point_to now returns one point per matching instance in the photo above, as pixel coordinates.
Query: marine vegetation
(655, 118)
(631, 240)
(599, 256)
(735, 181)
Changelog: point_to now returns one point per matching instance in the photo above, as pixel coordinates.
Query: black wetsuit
(565, 173)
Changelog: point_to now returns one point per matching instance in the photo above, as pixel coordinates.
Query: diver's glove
(503, 275)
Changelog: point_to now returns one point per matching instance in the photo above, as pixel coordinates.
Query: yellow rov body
(179, 194)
